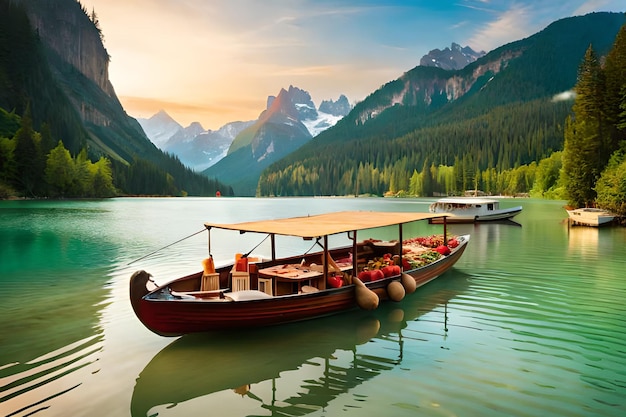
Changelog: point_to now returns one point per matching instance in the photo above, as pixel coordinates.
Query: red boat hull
(175, 317)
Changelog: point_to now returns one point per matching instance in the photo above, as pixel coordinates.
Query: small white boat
(588, 216)
(472, 209)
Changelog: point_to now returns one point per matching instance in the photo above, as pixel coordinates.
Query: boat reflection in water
(327, 358)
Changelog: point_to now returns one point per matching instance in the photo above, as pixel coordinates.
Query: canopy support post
(325, 263)
(355, 272)
(209, 238)
(401, 239)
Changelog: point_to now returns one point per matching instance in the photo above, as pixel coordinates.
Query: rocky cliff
(428, 86)
(278, 131)
(79, 61)
(453, 58)
(73, 36)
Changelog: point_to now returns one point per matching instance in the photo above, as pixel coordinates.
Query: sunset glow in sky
(216, 61)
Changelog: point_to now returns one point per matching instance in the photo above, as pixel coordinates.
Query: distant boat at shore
(472, 209)
(588, 216)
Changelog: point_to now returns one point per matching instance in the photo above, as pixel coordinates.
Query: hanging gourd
(365, 298)
(395, 291)
(408, 282)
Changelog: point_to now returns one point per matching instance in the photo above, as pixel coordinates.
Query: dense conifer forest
(492, 145)
(33, 165)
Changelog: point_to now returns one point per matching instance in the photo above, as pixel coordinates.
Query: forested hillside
(54, 87)
(490, 141)
(434, 131)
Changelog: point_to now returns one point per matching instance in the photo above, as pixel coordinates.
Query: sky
(217, 61)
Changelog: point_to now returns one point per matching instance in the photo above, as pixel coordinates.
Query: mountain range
(289, 121)
(195, 146)
(200, 149)
(279, 130)
(496, 113)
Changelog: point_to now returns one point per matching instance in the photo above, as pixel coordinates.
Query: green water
(531, 321)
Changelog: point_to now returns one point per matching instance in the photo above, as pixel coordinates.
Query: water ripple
(523, 336)
(44, 378)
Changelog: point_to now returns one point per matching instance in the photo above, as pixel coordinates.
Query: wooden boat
(472, 209)
(255, 293)
(588, 216)
(195, 366)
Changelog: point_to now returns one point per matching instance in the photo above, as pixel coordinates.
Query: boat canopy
(310, 227)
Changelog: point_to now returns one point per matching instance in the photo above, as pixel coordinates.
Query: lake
(530, 322)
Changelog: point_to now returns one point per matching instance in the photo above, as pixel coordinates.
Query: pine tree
(615, 93)
(622, 115)
(29, 161)
(59, 172)
(103, 179)
(415, 184)
(584, 151)
(7, 160)
(83, 175)
(578, 167)
(427, 180)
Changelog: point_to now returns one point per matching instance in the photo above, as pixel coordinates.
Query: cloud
(522, 19)
(508, 26)
(564, 96)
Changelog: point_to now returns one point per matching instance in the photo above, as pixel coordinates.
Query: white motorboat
(588, 216)
(473, 209)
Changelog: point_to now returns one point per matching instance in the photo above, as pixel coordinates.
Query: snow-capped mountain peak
(160, 127)
(316, 120)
